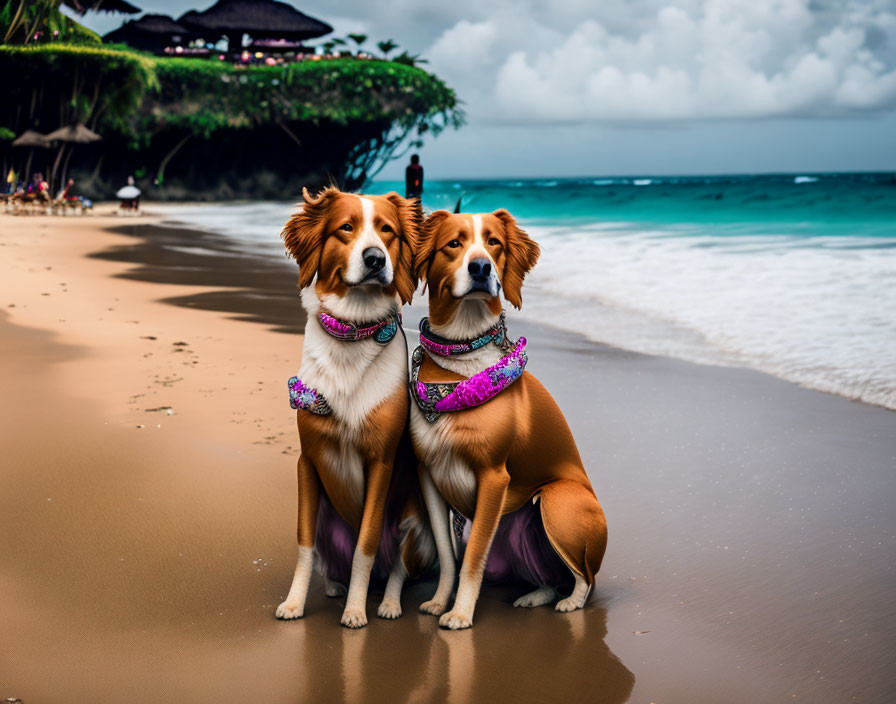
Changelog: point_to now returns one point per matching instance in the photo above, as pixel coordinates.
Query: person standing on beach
(413, 178)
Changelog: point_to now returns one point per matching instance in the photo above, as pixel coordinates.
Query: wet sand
(149, 507)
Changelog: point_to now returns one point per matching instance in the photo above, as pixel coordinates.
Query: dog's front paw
(434, 607)
(290, 610)
(455, 621)
(568, 604)
(354, 617)
(389, 608)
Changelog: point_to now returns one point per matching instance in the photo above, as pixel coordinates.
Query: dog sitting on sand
(359, 509)
(491, 440)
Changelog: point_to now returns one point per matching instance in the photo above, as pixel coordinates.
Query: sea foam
(792, 275)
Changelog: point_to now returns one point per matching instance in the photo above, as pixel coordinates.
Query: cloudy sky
(588, 87)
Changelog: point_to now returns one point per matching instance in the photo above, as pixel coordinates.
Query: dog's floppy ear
(427, 246)
(304, 233)
(410, 217)
(521, 253)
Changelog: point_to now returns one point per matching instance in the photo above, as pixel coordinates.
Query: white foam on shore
(818, 311)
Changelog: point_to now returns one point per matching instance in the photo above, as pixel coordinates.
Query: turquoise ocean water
(792, 274)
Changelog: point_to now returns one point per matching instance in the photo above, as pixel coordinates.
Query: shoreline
(751, 530)
(692, 345)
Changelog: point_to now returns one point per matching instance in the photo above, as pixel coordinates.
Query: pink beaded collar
(382, 331)
(305, 398)
(435, 398)
(447, 348)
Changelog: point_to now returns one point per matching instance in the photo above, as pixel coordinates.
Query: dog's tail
(576, 526)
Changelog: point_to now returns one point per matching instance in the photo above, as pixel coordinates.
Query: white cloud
(671, 61)
(464, 47)
(635, 61)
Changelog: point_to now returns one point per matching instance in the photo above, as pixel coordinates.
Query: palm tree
(386, 47)
(409, 59)
(358, 39)
(20, 19)
(339, 42)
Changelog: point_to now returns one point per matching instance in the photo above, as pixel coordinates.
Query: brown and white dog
(355, 514)
(511, 465)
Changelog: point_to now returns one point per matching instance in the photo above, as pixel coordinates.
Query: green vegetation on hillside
(153, 107)
(26, 21)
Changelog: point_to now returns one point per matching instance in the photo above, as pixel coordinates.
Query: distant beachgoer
(11, 182)
(413, 178)
(129, 196)
(66, 192)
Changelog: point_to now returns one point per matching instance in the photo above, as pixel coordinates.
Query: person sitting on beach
(129, 196)
(413, 178)
(43, 190)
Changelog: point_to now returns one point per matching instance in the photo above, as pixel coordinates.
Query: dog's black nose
(374, 259)
(480, 269)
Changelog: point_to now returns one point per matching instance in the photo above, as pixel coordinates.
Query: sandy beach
(148, 486)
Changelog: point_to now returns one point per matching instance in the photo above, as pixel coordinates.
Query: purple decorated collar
(435, 398)
(382, 331)
(302, 397)
(447, 348)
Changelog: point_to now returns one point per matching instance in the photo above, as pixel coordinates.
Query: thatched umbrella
(79, 134)
(83, 6)
(260, 19)
(151, 33)
(31, 139)
(72, 134)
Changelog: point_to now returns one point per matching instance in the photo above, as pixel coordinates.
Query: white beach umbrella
(128, 193)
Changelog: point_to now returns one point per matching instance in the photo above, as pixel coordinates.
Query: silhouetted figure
(413, 178)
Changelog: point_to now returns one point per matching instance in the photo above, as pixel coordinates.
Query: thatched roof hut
(151, 33)
(83, 6)
(260, 19)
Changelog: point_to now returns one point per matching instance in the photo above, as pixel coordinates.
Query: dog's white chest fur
(451, 475)
(435, 441)
(354, 377)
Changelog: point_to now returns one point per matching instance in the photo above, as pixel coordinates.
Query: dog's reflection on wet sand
(511, 655)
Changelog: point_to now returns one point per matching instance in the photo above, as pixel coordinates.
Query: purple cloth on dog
(335, 539)
(522, 552)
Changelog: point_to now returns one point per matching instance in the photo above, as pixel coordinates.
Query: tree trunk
(55, 168)
(28, 166)
(160, 174)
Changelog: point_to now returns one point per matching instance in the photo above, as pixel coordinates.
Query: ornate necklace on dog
(303, 397)
(447, 348)
(382, 331)
(435, 398)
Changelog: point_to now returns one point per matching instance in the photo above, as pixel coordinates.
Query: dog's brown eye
(454, 244)
(386, 228)
(494, 241)
(347, 227)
